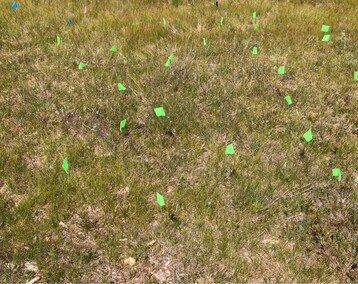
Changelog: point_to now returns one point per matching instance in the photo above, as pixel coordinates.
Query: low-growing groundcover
(162, 141)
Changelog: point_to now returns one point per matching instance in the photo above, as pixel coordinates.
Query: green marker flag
(122, 124)
(326, 38)
(281, 70)
(288, 100)
(254, 50)
(167, 64)
(114, 48)
(356, 75)
(169, 61)
(121, 87)
(65, 165)
(159, 111)
(256, 26)
(204, 41)
(229, 150)
(337, 173)
(164, 22)
(81, 66)
(221, 20)
(58, 40)
(308, 135)
(325, 29)
(160, 199)
(254, 15)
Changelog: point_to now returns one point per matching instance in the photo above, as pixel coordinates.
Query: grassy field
(271, 212)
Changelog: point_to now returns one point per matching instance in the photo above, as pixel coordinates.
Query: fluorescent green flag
(281, 70)
(114, 48)
(169, 61)
(221, 21)
(160, 199)
(308, 135)
(122, 124)
(337, 173)
(159, 111)
(121, 87)
(204, 41)
(164, 22)
(254, 15)
(254, 50)
(325, 29)
(229, 150)
(326, 38)
(288, 100)
(167, 64)
(81, 66)
(65, 165)
(356, 75)
(58, 40)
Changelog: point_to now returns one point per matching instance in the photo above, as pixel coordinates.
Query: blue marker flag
(14, 5)
(69, 22)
